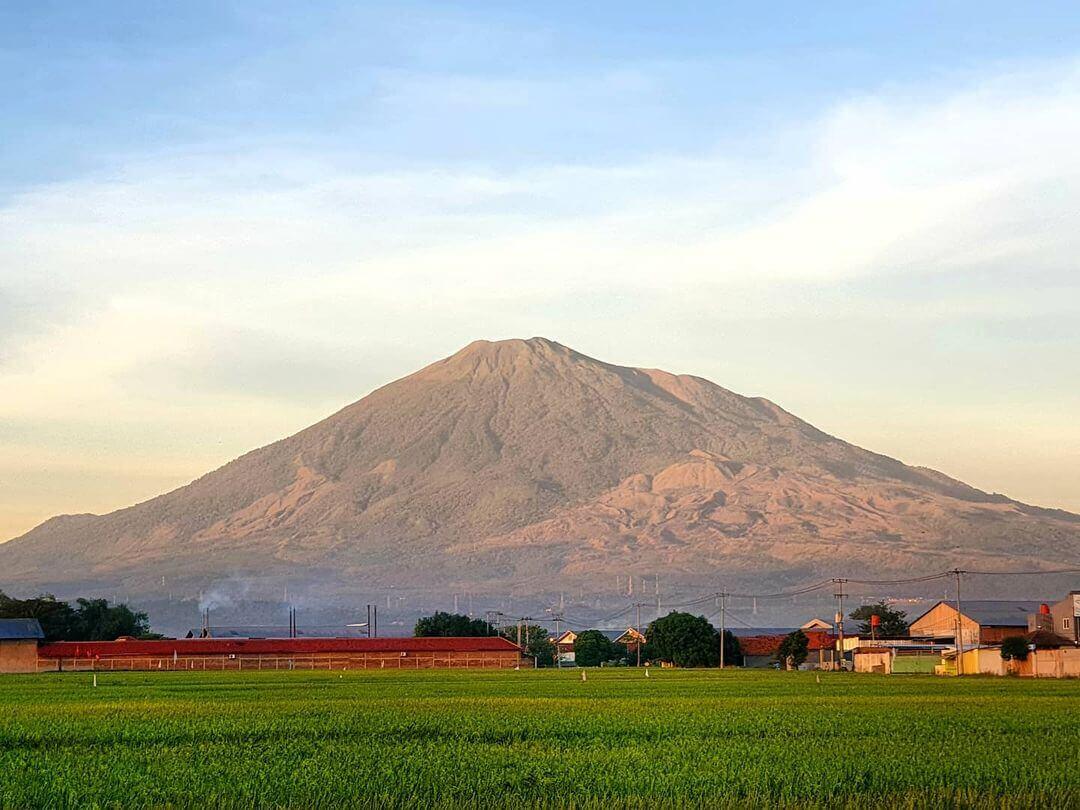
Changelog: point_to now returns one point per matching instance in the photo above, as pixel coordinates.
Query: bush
(1015, 648)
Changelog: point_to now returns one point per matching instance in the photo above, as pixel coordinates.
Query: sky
(223, 221)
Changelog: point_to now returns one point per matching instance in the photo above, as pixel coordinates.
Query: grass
(459, 739)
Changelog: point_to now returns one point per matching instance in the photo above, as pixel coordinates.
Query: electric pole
(840, 617)
(723, 630)
(637, 627)
(956, 572)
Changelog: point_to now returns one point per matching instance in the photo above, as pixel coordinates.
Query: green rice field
(537, 738)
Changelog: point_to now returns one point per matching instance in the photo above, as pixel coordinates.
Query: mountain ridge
(512, 462)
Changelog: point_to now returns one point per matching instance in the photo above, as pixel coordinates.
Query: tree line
(85, 620)
(684, 639)
(681, 638)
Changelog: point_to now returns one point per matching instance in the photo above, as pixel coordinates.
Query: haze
(218, 224)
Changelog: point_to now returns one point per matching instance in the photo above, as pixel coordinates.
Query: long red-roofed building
(490, 652)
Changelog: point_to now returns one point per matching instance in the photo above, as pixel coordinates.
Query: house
(1061, 618)
(817, 624)
(630, 638)
(759, 652)
(19, 645)
(984, 621)
(433, 652)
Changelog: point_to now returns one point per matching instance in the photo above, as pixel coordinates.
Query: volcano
(523, 466)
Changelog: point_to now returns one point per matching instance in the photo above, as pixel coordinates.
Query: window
(1066, 624)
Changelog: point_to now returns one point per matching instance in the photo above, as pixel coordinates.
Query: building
(984, 621)
(630, 638)
(817, 624)
(19, 644)
(822, 652)
(761, 650)
(487, 652)
(1061, 618)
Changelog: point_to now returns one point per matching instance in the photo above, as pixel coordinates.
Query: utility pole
(723, 629)
(840, 617)
(637, 627)
(375, 619)
(956, 572)
(368, 627)
(658, 596)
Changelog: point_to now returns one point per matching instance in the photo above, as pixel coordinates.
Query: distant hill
(524, 466)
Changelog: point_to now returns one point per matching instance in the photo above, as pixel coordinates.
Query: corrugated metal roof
(18, 629)
(271, 646)
(995, 612)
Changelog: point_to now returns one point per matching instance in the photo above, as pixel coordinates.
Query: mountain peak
(500, 469)
(511, 356)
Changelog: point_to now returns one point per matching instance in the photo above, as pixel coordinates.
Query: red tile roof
(760, 645)
(769, 644)
(271, 646)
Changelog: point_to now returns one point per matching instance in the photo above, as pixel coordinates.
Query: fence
(328, 661)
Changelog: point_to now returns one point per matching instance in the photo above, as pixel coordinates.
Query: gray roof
(1000, 612)
(996, 612)
(17, 629)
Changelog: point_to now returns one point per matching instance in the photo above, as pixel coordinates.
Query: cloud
(196, 283)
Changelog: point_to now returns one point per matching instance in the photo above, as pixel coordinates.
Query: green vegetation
(458, 738)
(452, 624)
(1014, 648)
(793, 649)
(535, 642)
(592, 648)
(88, 620)
(892, 622)
(534, 638)
(685, 640)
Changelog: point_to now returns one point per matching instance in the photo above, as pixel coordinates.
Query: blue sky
(221, 221)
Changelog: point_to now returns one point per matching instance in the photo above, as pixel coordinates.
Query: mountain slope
(513, 462)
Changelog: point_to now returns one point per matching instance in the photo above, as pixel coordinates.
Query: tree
(89, 620)
(452, 624)
(685, 640)
(1015, 648)
(592, 648)
(534, 642)
(793, 649)
(892, 621)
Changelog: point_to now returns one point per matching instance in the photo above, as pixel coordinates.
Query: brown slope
(505, 461)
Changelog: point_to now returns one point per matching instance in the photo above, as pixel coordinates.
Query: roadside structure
(19, 640)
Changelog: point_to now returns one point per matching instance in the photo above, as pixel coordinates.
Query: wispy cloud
(239, 274)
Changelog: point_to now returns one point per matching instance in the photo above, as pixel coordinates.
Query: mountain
(523, 466)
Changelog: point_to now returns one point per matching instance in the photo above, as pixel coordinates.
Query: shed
(18, 644)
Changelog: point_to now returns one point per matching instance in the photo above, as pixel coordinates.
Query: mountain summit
(523, 465)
